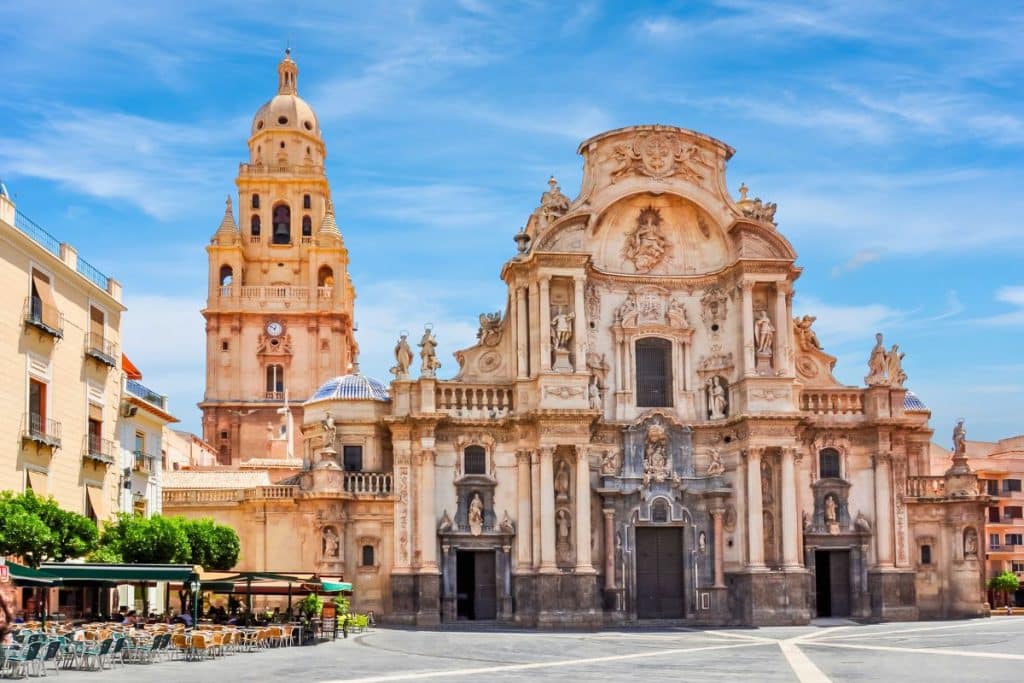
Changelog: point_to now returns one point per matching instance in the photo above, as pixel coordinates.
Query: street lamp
(194, 586)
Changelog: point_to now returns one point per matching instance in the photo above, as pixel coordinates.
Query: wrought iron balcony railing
(99, 449)
(44, 317)
(143, 462)
(102, 349)
(41, 430)
(140, 390)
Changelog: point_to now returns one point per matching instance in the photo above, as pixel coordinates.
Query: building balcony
(372, 483)
(44, 317)
(473, 401)
(140, 390)
(261, 170)
(41, 430)
(836, 402)
(307, 239)
(273, 395)
(143, 462)
(101, 349)
(99, 450)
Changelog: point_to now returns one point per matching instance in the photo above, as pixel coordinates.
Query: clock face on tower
(274, 329)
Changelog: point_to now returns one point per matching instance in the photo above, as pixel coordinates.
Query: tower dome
(286, 110)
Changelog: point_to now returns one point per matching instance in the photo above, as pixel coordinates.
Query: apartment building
(1000, 468)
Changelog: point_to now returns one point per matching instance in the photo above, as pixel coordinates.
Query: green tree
(1005, 583)
(37, 529)
(211, 545)
(146, 540)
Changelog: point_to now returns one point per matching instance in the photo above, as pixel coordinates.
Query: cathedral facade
(643, 431)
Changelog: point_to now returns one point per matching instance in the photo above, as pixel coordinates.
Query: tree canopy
(168, 540)
(37, 529)
(1005, 583)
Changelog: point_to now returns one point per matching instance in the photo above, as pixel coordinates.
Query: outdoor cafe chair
(200, 646)
(97, 652)
(117, 652)
(24, 660)
(179, 645)
(52, 654)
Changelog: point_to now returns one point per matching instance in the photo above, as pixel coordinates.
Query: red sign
(5, 573)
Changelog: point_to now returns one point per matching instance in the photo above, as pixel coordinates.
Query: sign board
(5, 573)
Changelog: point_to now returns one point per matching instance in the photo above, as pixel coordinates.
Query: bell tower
(279, 305)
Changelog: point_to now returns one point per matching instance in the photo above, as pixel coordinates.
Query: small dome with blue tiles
(912, 402)
(354, 387)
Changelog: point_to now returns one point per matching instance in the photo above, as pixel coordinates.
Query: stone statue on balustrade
(959, 440)
(878, 365)
(429, 364)
(894, 365)
(329, 429)
(403, 358)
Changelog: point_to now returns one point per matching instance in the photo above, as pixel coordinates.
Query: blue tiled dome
(912, 402)
(355, 387)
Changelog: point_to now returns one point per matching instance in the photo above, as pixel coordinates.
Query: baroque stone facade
(644, 432)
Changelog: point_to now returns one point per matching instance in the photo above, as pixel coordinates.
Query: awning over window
(37, 480)
(129, 368)
(335, 586)
(95, 412)
(99, 507)
(72, 572)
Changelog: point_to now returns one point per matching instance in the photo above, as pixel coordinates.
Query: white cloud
(1014, 296)
(840, 324)
(857, 261)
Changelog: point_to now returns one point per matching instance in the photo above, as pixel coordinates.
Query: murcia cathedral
(643, 429)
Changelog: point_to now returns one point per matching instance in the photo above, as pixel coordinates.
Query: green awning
(335, 586)
(27, 576)
(72, 572)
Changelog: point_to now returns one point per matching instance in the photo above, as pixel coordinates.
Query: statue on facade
(959, 440)
(403, 358)
(476, 515)
(611, 462)
(878, 365)
(702, 543)
(767, 482)
(331, 543)
(894, 364)
(446, 523)
(594, 394)
(553, 204)
(627, 312)
(329, 429)
(563, 537)
(506, 526)
(805, 336)
(677, 314)
(718, 404)
(562, 481)
(428, 353)
(831, 514)
(861, 523)
(561, 330)
(646, 246)
(808, 522)
(970, 543)
(715, 467)
(656, 467)
(489, 333)
(764, 333)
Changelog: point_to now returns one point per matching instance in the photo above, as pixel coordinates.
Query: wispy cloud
(1014, 296)
(857, 261)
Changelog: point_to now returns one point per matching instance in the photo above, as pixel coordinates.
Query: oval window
(308, 125)
(282, 120)
(259, 125)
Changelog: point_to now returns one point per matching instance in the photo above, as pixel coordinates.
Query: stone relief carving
(506, 526)
(806, 338)
(476, 515)
(715, 466)
(861, 523)
(563, 536)
(429, 364)
(611, 463)
(647, 246)
(769, 394)
(445, 523)
(713, 308)
(769, 533)
(729, 519)
(598, 366)
(274, 346)
(677, 314)
(717, 397)
(755, 208)
(717, 362)
(970, 543)
(659, 155)
(594, 394)
(403, 514)
(563, 392)
(403, 358)
(627, 312)
(489, 332)
(331, 543)
(656, 464)
(764, 333)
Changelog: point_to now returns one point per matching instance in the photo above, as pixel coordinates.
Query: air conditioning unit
(128, 410)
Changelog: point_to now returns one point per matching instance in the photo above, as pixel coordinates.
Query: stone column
(609, 548)
(547, 510)
(790, 515)
(782, 323)
(545, 323)
(755, 514)
(583, 562)
(522, 332)
(748, 328)
(533, 328)
(579, 324)
(524, 535)
(883, 509)
(534, 520)
(427, 518)
(716, 517)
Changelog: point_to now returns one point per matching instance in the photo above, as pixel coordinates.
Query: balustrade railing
(832, 401)
(143, 462)
(293, 169)
(926, 487)
(41, 429)
(368, 482)
(98, 449)
(473, 400)
(140, 390)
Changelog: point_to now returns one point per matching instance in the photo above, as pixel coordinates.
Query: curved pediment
(756, 241)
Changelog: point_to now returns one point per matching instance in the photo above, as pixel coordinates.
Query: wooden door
(839, 582)
(485, 598)
(659, 573)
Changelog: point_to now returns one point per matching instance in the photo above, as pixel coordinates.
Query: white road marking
(920, 650)
(746, 637)
(421, 675)
(806, 671)
(872, 634)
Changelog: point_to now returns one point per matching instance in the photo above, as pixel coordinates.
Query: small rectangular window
(224, 345)
(367, 558)
(1016, 566)
(993, 514)
(475, 460)
(926, 554)
(992, 487)
(1011, 485)
(1013, 512)
(1014, 539)
(352, 458)
(307, 202)
(993, 540)
(653, 373)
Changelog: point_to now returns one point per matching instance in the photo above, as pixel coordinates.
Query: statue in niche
(331, 543)
(563, 536)
(506, 525)
(767, 483)
(611, 463)
(561, 330)
(627, 312)
(677, 314)
(877, 364)
(656, 467)
(702, 543)
(894, 364)
(831, 514)
(764, 333)
(330, 430)
(429, 363)
(959, 439)
(476, 515)
(861, 523)
(715, 467)
(594, 394)
(970, 543)
(718, 405)
(562, 482)
(403, 358)
(769, 531)
(808, 522)
(805, 336)
(646, 246)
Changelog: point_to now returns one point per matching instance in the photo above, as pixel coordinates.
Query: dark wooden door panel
(486, 598)
(659, 573)
(839, 578)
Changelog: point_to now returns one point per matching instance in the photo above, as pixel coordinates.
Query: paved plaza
(986, 649)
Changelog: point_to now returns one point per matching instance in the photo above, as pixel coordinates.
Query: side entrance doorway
(832, 582)
(659, 573)
(476, 586)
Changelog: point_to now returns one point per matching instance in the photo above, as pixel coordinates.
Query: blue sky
(889, 134)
